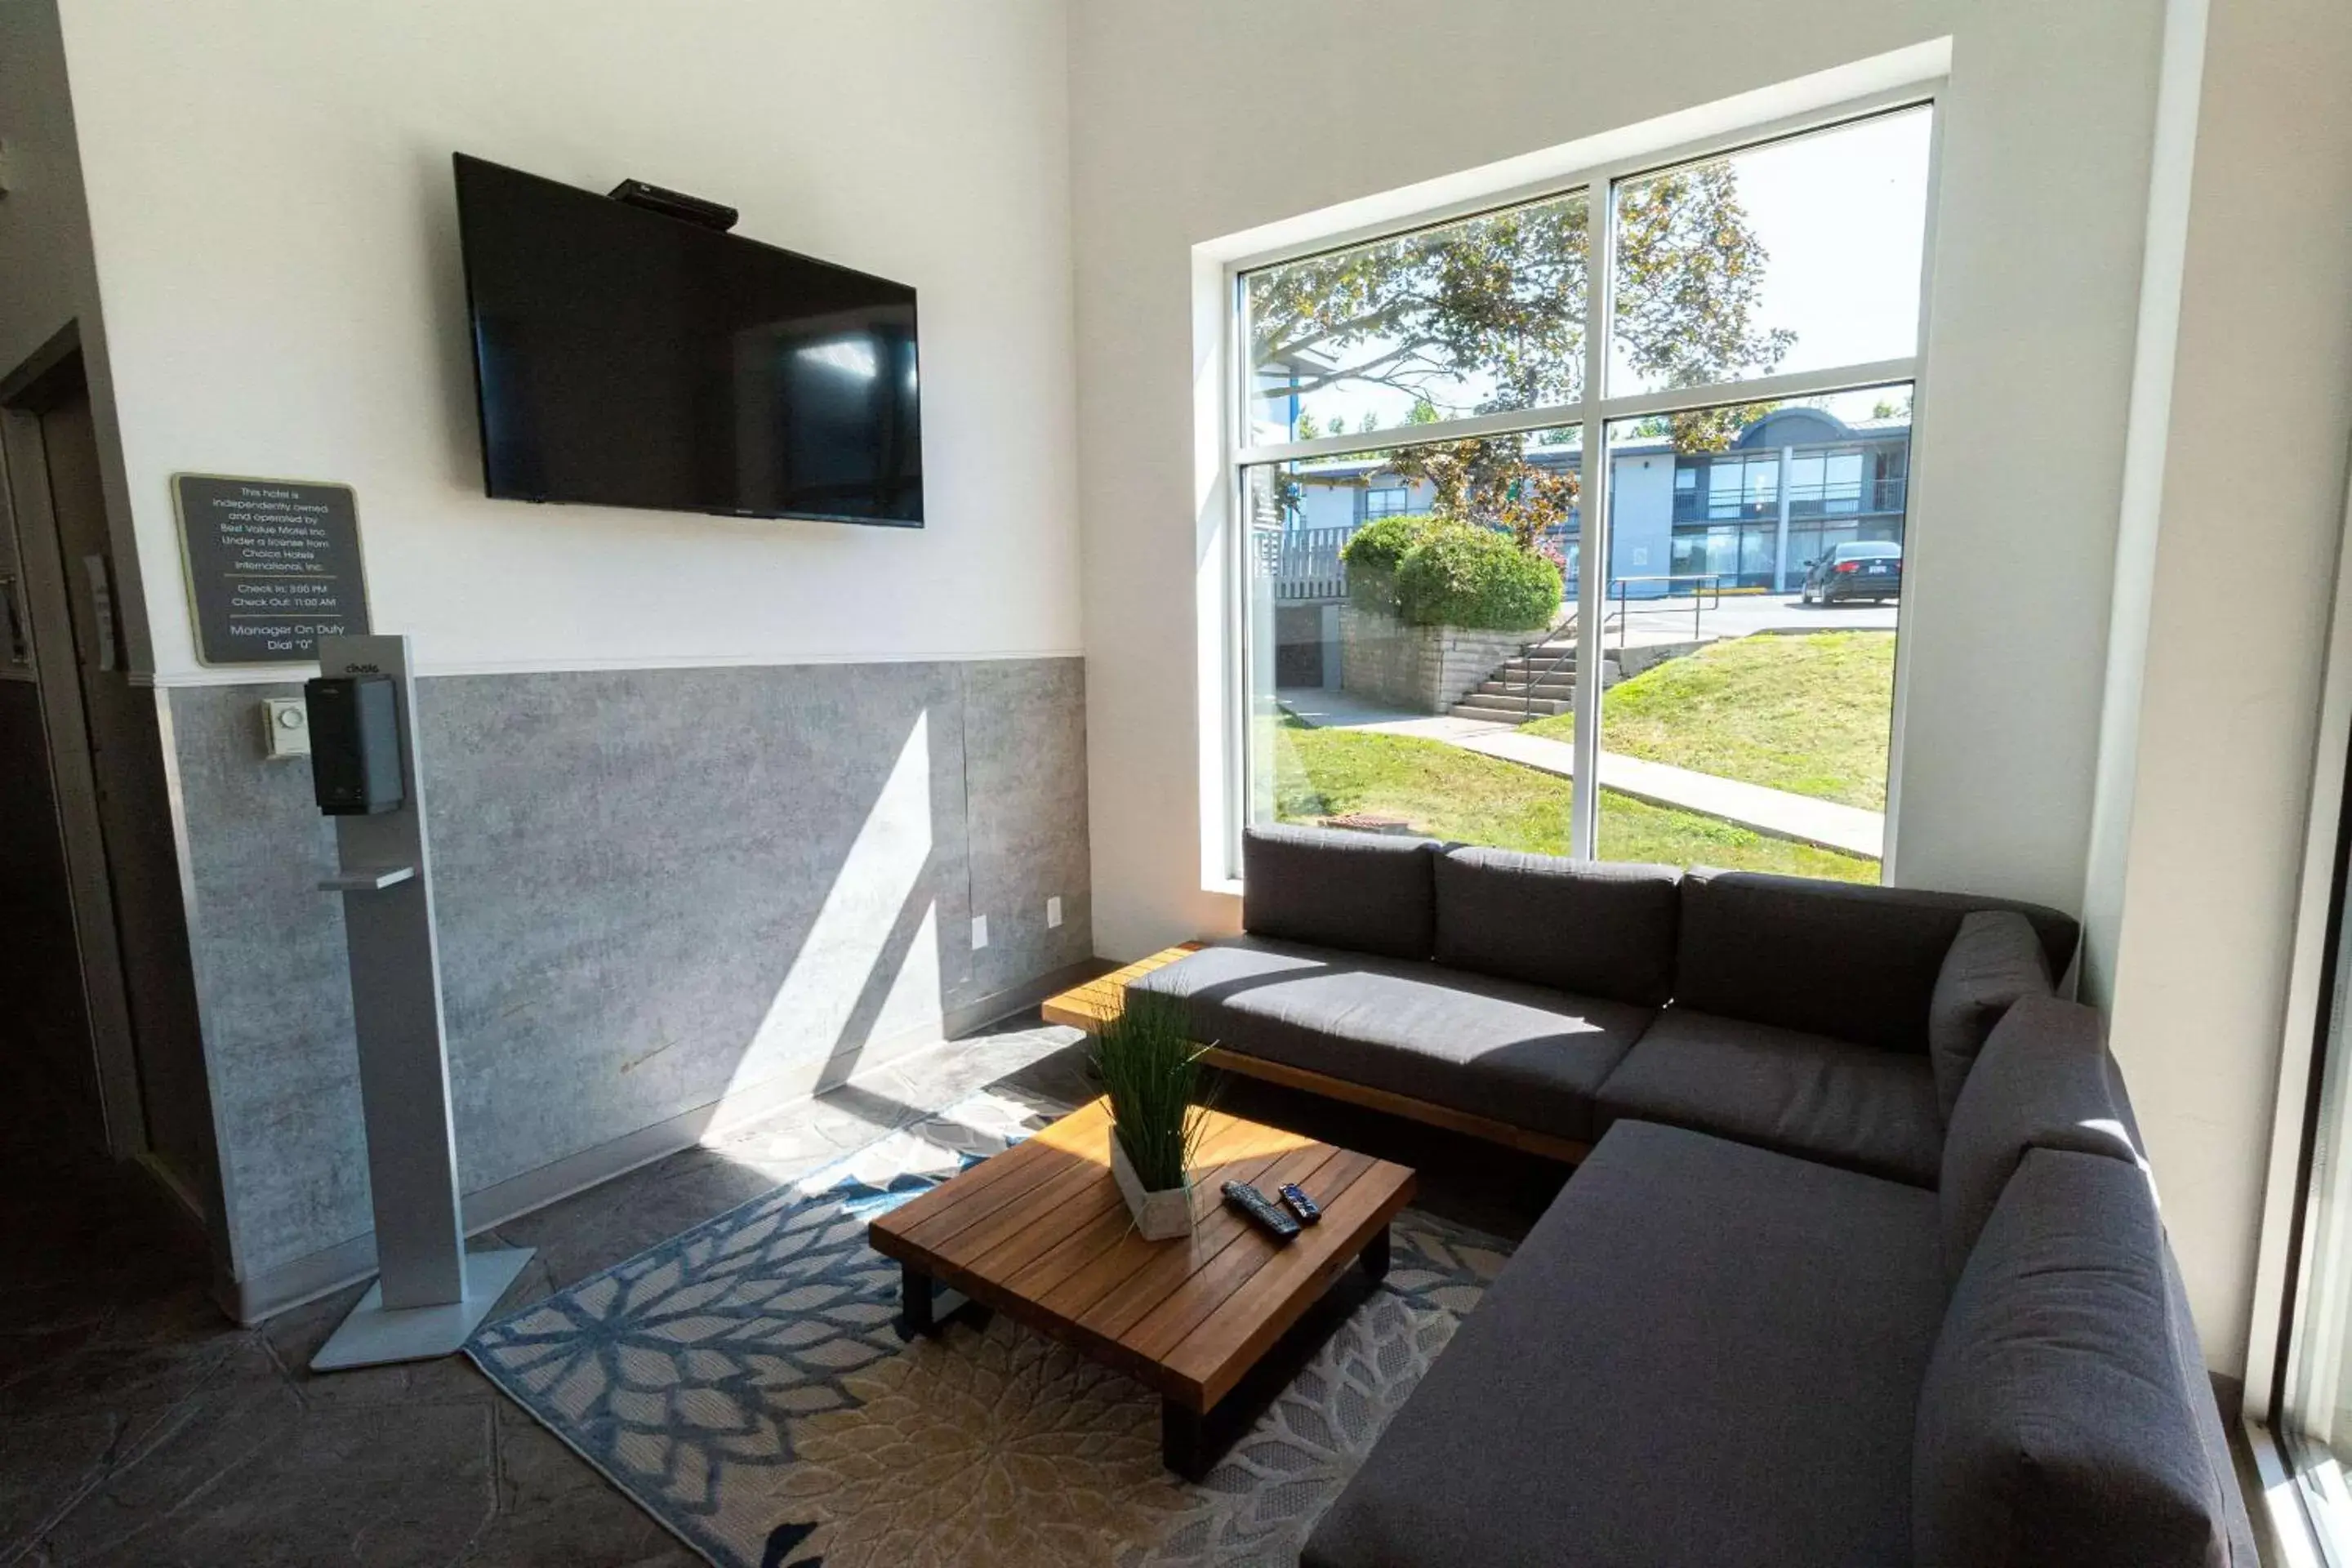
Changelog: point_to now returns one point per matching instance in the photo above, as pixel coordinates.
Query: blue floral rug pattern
(746, 1383)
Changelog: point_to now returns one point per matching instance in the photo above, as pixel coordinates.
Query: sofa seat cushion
(1520, 1054)
(1704, 1354)
(1855, 1106)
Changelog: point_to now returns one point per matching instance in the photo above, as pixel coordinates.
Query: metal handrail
(1709, 597)
(1702, 599)
(1527, 655)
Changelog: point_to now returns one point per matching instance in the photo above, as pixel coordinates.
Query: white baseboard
(346, 1263)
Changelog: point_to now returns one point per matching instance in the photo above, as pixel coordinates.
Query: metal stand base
(373, 1334)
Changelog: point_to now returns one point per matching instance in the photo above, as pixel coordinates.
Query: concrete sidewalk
(1320, 710)
(1774, 812)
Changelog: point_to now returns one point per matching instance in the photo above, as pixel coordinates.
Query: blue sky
(1841, 217)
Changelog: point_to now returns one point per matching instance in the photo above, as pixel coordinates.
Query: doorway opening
(101, 953)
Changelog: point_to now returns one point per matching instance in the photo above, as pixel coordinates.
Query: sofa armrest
(1995, 959)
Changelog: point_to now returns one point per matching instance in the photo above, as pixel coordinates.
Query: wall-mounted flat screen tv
(624, 357)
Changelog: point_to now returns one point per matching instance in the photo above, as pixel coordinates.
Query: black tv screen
(626, 358)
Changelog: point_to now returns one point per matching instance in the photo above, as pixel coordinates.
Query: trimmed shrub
(1459, 575)
(1374, 553)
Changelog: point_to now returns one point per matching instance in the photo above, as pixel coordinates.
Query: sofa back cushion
(1365, 892)
(2044, 1080)
(1995, 959)
(1600, 929)
(1857, 963)
(2058, 1421)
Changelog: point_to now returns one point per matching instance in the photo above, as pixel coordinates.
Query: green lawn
(1807, 714)
(1448, 792)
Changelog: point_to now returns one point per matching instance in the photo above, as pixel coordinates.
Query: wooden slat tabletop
(1041, 1234)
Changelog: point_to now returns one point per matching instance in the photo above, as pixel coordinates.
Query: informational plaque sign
(273, 565)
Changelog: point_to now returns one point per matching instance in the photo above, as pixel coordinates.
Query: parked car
(1871, 569)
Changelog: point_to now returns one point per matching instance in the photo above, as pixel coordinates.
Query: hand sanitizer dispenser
(354, 744)
(430, 1293)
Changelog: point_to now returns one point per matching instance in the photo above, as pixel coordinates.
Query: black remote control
(1295, 1198)
(1252, 1202)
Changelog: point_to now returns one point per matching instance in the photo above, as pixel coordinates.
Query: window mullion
(1592, 534)
(1761, 389)
(1510, 422)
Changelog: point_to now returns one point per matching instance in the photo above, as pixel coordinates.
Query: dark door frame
(54, 373)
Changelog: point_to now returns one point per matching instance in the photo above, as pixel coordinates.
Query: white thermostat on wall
(286, 726)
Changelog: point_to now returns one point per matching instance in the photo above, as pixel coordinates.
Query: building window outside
(1743, 487)
(1749, 388)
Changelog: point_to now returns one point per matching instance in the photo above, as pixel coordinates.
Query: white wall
(270, 194)
(2046, 171)
(2243, 570)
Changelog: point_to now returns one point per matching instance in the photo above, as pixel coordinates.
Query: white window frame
(1594, 411)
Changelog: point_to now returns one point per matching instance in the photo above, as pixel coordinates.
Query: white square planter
(1158, 1216)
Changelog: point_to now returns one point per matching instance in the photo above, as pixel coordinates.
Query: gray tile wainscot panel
(272, 990)
(1025, 769)
(653, 887)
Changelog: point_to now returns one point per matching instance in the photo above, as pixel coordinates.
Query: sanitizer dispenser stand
(431, 1293)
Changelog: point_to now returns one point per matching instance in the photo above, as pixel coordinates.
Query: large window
(1740, 369)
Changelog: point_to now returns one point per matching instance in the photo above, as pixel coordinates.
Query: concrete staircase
(1538, 683)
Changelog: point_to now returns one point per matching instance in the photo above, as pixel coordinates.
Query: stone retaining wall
(1426, 669)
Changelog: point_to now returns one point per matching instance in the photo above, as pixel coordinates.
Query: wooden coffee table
(1215, 1323)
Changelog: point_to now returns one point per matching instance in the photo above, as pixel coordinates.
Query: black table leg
(1184, 1445)
(914, 1313)
(924, 1309)
(1375, 1256)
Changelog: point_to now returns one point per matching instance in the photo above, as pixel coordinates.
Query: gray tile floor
(138, 1427)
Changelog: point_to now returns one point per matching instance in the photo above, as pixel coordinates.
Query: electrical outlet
(979, 933)
(1054, 911)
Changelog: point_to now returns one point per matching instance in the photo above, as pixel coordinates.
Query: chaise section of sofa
(1707, 1352)
(1704, 1354)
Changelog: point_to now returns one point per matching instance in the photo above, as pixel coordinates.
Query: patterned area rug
(747, 1384)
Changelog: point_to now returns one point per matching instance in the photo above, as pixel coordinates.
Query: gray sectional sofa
(1816, 1018)
(1863, 1266)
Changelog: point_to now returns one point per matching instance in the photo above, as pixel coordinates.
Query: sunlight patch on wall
(870, 967)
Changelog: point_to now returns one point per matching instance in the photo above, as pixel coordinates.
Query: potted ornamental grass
(1150, 1071)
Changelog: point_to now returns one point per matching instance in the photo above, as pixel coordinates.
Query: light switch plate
(286, 726)
(1054, 911)
(979, 933)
